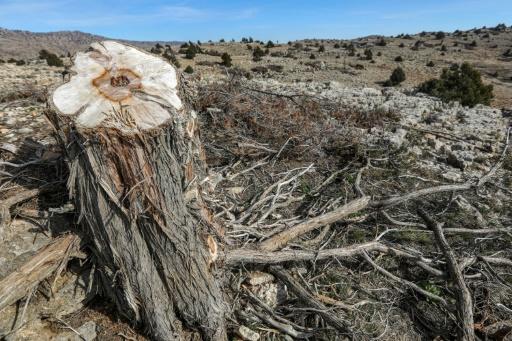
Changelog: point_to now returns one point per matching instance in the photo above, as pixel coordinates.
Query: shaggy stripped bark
(134, 156)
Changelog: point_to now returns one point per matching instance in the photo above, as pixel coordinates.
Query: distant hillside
(26, 45)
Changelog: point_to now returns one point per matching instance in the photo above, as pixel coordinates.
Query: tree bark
(135, 159)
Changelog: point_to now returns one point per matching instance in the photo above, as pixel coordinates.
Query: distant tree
(20, 62)
(226, 59)
(251, 40)
(440, 35)
(381, 42)
(43, 54)
(368, 54)
(399, 59)
(312, 56)
(257, 54)
(321, 48)
(12, 61)
(222, 40)
(351, 50)
(337, 46)
(430, 64)
(402, 45)
(159, 46)
(171, 57)
(191, 52)
(444, 48)
(189, 69)
(473, 43)
(397, 77)
(52, 59)
(270, 44)
(460, 83)
(249, 47)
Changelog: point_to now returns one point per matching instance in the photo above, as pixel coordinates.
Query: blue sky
(281, 20)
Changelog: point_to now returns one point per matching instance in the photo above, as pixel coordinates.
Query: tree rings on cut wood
(119, 86)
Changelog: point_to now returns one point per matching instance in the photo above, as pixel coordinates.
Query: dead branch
(464, 300)
(309, 299)
(279, 240)
(42, 265)
(404, 282)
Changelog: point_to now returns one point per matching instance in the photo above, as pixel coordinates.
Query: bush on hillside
(257, 54)
(440, 35)
(381, 42)
(53, 60)
(399, 59)
(226, 59)
(189, 69)
(368, 54)
(460, 83)
(397, 77)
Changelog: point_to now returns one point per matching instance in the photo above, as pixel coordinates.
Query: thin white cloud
(161, 14)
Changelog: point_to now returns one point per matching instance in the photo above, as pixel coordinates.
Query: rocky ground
(344, 120)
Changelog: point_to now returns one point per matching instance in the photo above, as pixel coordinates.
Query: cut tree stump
(135, 161)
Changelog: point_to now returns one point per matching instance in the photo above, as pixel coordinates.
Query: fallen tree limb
(464, 300)
(246, 256)
(5, 206)
(42, 265)
(333, 320)
(404, 282)
(279, 240)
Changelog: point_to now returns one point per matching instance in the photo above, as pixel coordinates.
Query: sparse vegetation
(440, 35)
(189, 69)
(257, 54)
(368, 54)
(397, 77)
(430, 64)
(460, 83)
(226, 59)
(399, 59)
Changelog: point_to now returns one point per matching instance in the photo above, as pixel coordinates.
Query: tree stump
(135, 161)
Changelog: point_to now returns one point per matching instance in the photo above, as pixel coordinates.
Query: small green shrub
(440, 35)
(189, 69)
(399, 59)
(257, 54)
(312, 56)
(270, 44)
(397, 77)
(368, 54)
(53, 60)
(191, 52)
(430, 64)
(226, 59)
(381, 42)
(12, 61)
(459, 83)
(20, 62)
(321, 48)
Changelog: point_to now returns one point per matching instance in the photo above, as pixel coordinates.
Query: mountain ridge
(22, 44)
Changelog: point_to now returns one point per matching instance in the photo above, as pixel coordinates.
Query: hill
(20, 44)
